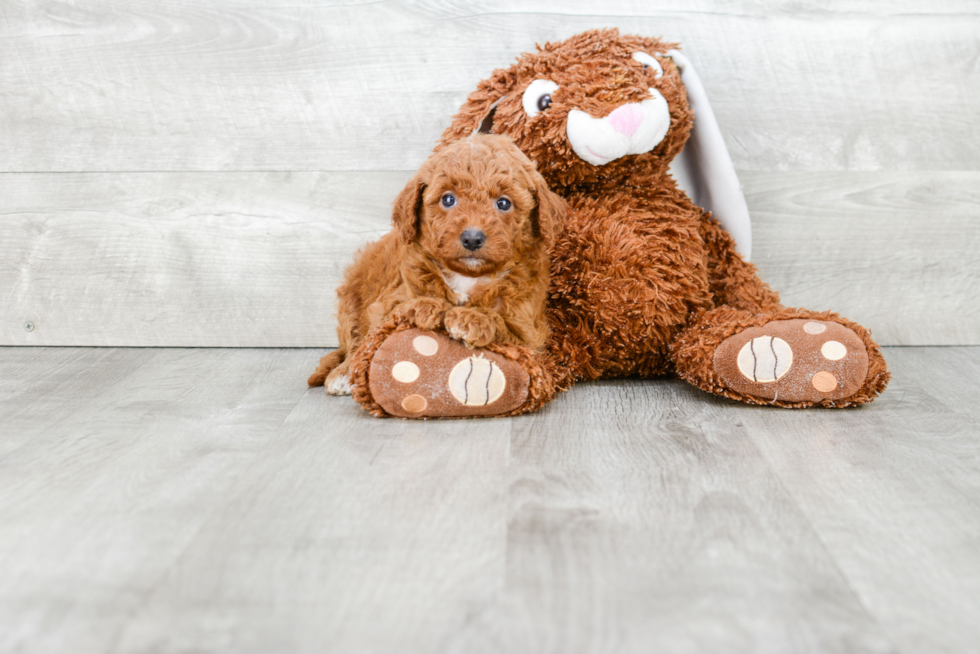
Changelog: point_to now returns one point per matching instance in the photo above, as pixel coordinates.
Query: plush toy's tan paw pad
(793, 360)
(417, 373)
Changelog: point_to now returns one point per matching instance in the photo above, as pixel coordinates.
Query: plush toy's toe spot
(833, 350)
(405, 371)
(475, 381)
(425, 345)
(418, 373)
(793, 360)
(415, 404)
(765, 359)
(824, 382)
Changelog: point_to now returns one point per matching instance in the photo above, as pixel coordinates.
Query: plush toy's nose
(626, 119)
(472, 239)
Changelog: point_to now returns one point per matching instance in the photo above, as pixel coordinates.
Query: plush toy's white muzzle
(633, 128)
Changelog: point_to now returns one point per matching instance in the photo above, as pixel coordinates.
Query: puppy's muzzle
(472, 239)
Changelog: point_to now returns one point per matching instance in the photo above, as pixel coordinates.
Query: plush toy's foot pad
(793, 360)
(425, 374)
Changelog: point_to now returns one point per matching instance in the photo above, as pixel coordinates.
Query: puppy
(468, 253)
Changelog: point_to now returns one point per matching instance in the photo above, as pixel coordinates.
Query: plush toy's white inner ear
(704, 168)
(647, 60)
(537, 90)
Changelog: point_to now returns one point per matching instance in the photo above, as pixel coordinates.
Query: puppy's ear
(408, 208)
(548, 216)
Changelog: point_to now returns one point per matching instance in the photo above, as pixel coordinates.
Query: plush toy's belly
(626, 275)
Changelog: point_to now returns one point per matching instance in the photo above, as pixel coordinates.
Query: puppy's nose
(472, 239)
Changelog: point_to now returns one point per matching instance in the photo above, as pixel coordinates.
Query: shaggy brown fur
(643, 282)
(408, 276)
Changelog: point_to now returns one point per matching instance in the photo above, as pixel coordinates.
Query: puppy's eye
(503, 204)
(648, 63)
(537, 96)
(448, 200)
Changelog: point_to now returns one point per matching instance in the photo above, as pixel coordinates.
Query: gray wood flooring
(203, 500)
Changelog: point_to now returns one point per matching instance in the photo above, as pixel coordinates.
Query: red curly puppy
(468, 252)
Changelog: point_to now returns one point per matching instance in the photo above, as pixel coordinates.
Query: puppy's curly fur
(421, 272)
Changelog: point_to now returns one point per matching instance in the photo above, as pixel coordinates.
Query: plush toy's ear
(486, 125)
(548, 216)
(408, 208)
(704, 169)
(478, 113)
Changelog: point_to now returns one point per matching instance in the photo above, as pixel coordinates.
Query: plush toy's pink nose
(626, 119)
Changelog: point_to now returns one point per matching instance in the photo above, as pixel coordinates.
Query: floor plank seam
(858, 597)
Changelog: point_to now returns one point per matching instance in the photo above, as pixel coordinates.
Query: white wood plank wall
(182, 173)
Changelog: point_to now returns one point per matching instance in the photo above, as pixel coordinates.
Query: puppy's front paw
(474, 328)
(423, 312)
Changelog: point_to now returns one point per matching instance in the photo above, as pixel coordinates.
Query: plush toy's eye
(537, 97)
(503, 204)
(448, 200)
(648, 63)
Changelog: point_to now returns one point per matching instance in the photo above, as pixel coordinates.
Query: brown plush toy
(643, 282)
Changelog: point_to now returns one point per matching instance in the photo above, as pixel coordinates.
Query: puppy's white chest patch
(462, 285)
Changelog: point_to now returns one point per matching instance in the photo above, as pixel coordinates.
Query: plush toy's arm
(732, 280)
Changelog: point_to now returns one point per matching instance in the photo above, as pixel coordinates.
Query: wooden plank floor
(199, 500)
